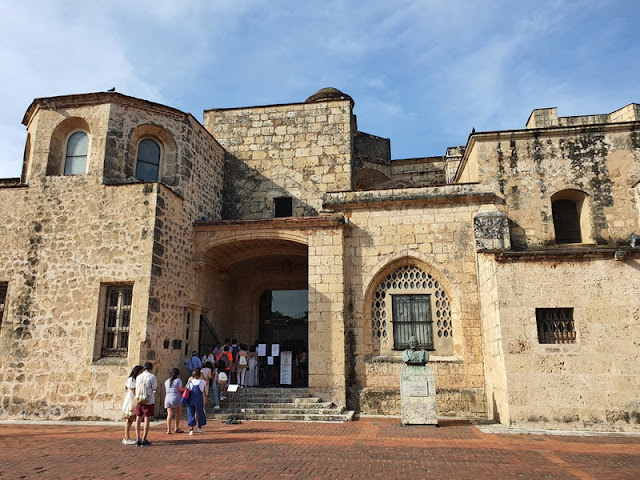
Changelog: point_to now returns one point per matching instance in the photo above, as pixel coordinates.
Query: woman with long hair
(173, 388)
(128, 406)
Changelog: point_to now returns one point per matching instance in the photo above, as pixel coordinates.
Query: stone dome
(328, 93)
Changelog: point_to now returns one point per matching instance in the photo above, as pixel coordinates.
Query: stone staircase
(284, 404)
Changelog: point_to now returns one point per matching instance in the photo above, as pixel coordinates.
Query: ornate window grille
(117, 321)
(430, 301)
(555, 325)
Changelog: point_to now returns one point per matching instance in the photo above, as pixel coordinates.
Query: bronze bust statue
(413, 355)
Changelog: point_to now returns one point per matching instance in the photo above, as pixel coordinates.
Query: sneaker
(191, 432)
(223, 398)
(145, 443)
(199, 430)
(139, 442)
(129, 441)
(217, 407)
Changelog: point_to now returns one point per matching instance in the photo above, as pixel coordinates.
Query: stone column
(326, 315)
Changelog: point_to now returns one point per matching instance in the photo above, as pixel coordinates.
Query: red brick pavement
(367, 449)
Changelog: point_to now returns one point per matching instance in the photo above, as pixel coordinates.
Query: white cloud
(421, 72)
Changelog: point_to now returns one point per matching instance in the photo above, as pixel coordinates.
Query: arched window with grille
(410, 301)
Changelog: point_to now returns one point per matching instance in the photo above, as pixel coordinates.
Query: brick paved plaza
(367, 448)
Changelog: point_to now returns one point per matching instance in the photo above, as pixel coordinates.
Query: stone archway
(234, 262)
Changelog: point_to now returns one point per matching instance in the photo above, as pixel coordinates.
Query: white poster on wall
(275, 349)
(262, 349)
(285, 368)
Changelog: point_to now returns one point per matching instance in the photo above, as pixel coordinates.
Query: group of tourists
(238, 362)
(220, 367)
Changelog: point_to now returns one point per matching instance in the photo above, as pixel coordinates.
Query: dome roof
(328, 93)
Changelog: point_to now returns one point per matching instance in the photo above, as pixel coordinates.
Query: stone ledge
(398, 359)
(565, 254)
(445, 194)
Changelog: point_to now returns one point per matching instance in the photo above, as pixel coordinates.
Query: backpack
(142, 393)
(222, 378)
(242, 360)
(224, 358)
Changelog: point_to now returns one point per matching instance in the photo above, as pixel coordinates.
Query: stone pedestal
(418, 395)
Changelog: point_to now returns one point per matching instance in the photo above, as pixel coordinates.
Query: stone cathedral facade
(138, 233)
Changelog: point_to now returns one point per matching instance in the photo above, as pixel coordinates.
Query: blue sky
(422, 73)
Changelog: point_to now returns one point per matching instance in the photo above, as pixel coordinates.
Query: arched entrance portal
(255, 291)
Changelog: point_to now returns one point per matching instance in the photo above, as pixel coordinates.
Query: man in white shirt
(146, 386)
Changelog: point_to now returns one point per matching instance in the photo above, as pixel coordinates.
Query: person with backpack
(146, 386)
(227, 358)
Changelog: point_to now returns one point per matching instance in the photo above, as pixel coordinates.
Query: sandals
(179, 430)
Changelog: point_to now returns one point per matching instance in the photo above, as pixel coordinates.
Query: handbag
(185, 394)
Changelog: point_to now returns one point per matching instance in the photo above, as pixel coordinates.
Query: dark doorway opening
(284, 320)
(208, 336)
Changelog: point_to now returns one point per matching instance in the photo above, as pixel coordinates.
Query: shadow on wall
(242, 182)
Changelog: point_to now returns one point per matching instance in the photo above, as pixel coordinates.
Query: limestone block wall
(527, 169)
(591, 384)
(326, 315)
(297, 150)
(419, 171)
(64, 238)
(439, 239)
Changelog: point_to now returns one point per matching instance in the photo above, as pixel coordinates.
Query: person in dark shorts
(146, 386)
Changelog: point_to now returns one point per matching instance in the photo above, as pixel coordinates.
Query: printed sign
(285, 367)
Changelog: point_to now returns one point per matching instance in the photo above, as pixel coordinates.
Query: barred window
(3, 299)
(412, 317)
(117, 320)
(555, 325)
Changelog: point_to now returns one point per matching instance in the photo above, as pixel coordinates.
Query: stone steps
(276, 404)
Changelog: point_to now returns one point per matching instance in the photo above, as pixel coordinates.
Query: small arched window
(148, 160)
(571, 217)
(75, 161)
(566, 221)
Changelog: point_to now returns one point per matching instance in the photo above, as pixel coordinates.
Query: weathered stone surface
(418, 395)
